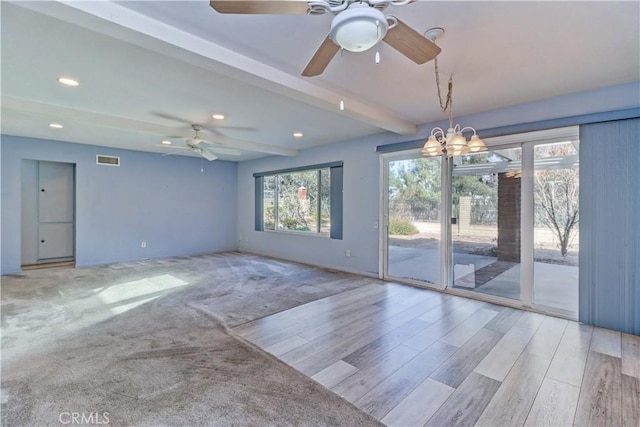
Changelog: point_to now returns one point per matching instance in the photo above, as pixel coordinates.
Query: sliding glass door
(413, 231)
(501, 225)
(556, 216)
(486, 222)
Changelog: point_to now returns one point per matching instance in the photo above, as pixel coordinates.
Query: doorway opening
(47, 214)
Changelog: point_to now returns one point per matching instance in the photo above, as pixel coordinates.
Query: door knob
(41, 241)
(42, 190)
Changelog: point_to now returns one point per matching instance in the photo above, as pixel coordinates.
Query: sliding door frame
(527, 145)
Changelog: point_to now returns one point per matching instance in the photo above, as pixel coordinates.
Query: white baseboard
(328, 267)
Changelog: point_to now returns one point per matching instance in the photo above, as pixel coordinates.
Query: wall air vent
(108, 160)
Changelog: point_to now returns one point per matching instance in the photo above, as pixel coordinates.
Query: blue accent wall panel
(610, 225)
(165, 201)
(259, 203)
(336, 202)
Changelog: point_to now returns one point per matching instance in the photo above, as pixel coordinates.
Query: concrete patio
(555, 285)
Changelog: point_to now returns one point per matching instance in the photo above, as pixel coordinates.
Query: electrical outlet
(143, 244)
(347, 253)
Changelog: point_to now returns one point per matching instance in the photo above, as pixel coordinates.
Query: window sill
(299, 233)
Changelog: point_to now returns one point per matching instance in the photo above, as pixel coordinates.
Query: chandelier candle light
(452, 143)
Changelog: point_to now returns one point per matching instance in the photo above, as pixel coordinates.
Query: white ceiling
(147, 69)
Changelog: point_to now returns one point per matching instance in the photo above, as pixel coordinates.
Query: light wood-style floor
(413, 357)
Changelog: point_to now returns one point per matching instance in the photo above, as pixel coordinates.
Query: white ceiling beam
(155, 35)
(103, 120)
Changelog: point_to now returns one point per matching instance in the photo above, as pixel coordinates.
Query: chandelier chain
(448, 105)
(451, 142)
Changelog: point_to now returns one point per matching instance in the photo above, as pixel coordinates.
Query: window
(305, 200)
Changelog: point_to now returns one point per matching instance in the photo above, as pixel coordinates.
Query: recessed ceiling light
(165, 142)
(55, 125)
(298, 134)
(218, 116)
(68, 82)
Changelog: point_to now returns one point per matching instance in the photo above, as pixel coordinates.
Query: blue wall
(362, 177)
(165, 201)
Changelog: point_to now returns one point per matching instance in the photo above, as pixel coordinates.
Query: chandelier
(452, 142)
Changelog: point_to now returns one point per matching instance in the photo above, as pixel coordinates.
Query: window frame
(336, 199)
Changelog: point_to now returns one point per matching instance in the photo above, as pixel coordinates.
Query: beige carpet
(148, 344)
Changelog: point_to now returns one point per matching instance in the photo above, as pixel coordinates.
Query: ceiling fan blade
(171, 153)
(217, 127)
(206, 154)
(224, 151)
(321, 58)
(177, 147)
(411, 43)
(283, 7)
(174, 118)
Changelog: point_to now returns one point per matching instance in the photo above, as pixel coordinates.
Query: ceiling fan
(206, 149)
(358, 25)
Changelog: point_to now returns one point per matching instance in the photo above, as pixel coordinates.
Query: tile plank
(567, 369)
(512, 402)
(286, 345)
(299, 318)
(334, 374)
(458, 367)
(465, 330)
(419, 298)
(366, 354)
(325, 355)
(466, 404)
(630, 401)
(547, 337)
(631, 355)
(418, 310)
(504, 320)
(447, 307)
(529, 321)
(606, 341)
(372, 326)
(555, 405)
(360, 383)
(576, 341)
(439, 329)
(506, 352)
(600, 402)
(312, 309)
(337, 322)
(570, 358)
(296, 325)
(386, 395)
(428, 397)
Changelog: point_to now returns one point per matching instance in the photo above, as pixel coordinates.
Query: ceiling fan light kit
(358, 28)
